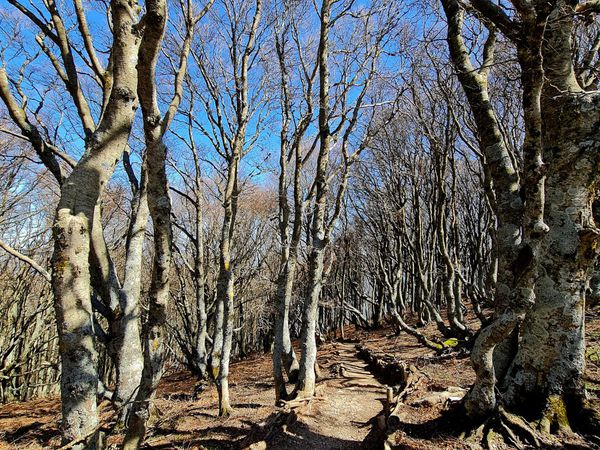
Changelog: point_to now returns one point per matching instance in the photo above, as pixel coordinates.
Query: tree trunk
(154, 332)
(72, 227)
(490, 356)
(550, 361)
(217, 347)
(283, 352)
(71, 286)
(560, 122)
(225, 291)
(305, 386)
(225, 283)
(201, 315)
(159, 205)
(130, 361)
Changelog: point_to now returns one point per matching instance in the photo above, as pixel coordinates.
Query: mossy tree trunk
(550, 360)
(561, 126)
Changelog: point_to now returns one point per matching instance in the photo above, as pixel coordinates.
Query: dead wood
(413, 380)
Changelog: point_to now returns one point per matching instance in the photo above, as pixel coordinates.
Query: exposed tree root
(403, 326)
(504, 429)
(452, 394)
(520, 426)
(293, 403)
(413, 380)
(267, 430)
(261, 437)
(560, 419)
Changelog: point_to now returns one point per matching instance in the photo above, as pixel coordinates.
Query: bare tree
(290, 46)
(230, 105)
(376, 25)
(557, 239)
(155, 128)
(105, 140)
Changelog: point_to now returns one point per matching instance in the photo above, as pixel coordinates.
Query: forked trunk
(159, 205)
(72, 228)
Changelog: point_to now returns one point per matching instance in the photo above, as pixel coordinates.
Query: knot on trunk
(125, 94)
(153, 120)
(155, 17)
(540, 228)
(522, 261)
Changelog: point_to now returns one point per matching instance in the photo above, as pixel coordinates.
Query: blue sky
(58, 113)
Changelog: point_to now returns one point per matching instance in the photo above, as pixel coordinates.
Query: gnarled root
(506, 429)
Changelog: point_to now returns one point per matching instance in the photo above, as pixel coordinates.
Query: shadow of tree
(300, 436)
(247, 405)
(17, 434)
(283, 430)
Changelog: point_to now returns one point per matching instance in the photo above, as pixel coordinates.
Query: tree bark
(305, 386)
(159, 205)
(72, 228)
(225, 283)
(508, 208)
(560, 120)
(550, 361)
(130, 361)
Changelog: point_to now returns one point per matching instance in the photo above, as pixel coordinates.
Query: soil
(345, 414)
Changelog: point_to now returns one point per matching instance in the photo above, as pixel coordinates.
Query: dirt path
(343, 416)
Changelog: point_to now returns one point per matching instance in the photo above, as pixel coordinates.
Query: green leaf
(452, 342)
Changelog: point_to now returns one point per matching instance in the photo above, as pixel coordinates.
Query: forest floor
(345, 414)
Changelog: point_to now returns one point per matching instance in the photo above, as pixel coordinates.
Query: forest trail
(342, 416)
(344, 413)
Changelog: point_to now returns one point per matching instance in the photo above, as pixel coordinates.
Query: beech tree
(229, 110)
(405, 190)
(159, 203)
(78, 229)
(193, 338)
(105, 136)
(546, 243)
(349, 99)
(290, 46)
